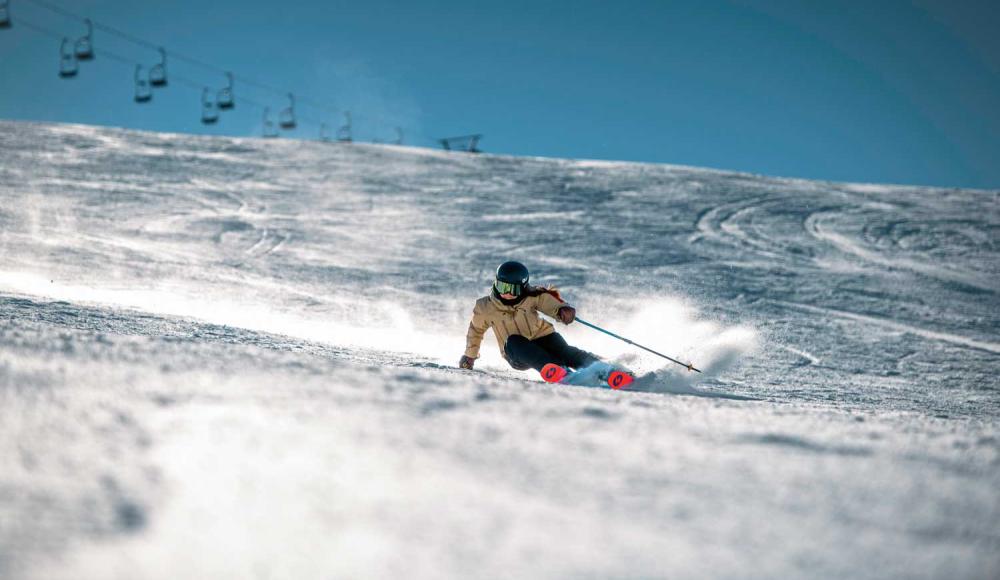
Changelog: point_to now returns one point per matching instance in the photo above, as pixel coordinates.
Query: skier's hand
(466, 362)
(567, 314)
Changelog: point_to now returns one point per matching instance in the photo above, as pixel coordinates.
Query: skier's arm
(474, 336)
(552, 304)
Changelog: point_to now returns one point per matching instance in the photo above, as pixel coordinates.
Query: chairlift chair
(158, 72)
(344, 132)
(269, 132)
(224, 99)
(4, 13)
(67, 60)
(286, 120)
(209, 114)
(466, 143)
(143, 93)
(84, 49)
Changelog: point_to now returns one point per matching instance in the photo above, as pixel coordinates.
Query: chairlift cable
(208, 66)
(189, 82)
(111, 55)
(308, 101)
(40, 29)
(173, 53)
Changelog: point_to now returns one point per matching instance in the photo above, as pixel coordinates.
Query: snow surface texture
(234, 358)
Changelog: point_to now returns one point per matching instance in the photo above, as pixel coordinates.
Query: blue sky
(889, 91)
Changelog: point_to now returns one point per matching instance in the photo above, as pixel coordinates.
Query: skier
(526, 341)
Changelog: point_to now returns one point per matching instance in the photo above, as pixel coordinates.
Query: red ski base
(619, 379)
(553, 373)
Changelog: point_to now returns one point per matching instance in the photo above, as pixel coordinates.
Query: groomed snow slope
(234, 358)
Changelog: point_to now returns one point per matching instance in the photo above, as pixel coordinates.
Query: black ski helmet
(512, 278)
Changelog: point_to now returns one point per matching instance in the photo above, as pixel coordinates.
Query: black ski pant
(524, 354)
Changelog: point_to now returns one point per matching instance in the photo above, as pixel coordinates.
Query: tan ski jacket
(522, 318)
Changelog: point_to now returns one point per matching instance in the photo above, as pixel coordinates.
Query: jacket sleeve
(474, 336)
(549, 302)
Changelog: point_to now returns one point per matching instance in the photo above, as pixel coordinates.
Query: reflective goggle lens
(507, 288)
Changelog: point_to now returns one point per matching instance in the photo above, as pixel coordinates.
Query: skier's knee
(518, 352)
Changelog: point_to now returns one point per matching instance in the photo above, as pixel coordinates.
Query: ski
(598, 374)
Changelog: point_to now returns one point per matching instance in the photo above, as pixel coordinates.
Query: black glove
(567, 314)
(466, 362)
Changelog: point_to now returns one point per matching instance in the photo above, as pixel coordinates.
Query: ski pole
(689, 366)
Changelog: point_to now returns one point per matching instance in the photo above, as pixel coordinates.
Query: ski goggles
(508, 288)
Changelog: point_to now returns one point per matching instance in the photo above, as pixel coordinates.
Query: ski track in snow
(231, 357)
(942, 336)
